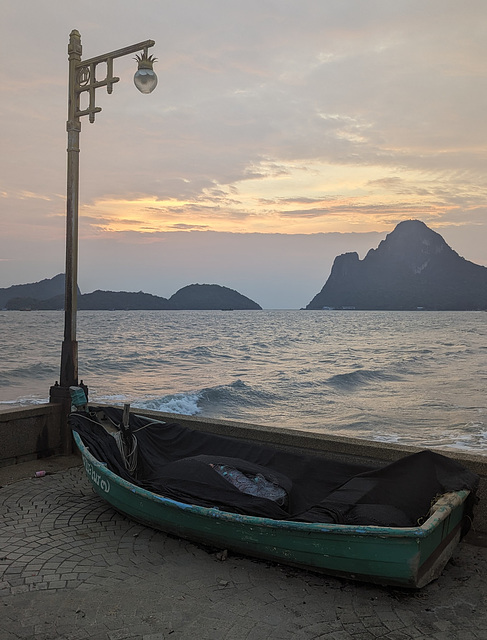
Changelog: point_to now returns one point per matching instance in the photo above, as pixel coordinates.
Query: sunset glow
(296, 119)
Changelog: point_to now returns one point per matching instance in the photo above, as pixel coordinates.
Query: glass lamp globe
(145, 78)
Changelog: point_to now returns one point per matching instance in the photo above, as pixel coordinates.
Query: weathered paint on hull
(407, 557)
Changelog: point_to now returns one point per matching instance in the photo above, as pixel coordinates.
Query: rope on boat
(128, 450)
(125, 437)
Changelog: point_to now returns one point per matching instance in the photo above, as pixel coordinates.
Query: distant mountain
(412, 268)
(107, 300)
(210, 296)
(42, 290)
(192, 297)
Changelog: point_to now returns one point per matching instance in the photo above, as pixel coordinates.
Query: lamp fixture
(145, 78)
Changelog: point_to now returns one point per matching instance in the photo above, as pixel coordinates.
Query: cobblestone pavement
(71, 568)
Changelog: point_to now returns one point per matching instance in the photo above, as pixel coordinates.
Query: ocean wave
(237, 393)
(185, 404)
(120, 364)
(24, 401)
(208, 399)
(38, 370)
(200, 351)
(467, 437)
(359, 377)
(472, 436)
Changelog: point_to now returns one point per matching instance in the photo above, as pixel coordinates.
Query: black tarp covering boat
(196, 468)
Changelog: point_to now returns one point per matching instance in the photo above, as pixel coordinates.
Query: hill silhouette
(34, 291)
(412, 268)
(192, 297)
(210, 296)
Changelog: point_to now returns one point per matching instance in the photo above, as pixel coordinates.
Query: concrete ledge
(29, 433)
(315, 442)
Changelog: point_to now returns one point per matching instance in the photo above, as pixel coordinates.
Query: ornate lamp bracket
(84, 74)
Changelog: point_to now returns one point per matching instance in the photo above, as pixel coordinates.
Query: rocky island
(413, 268)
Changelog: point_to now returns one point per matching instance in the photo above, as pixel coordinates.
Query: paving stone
(398, 635)
(19, 589)
(121, 634)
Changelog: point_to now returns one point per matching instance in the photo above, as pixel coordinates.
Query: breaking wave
(209, 399)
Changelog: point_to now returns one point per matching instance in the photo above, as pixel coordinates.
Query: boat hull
(405, 557)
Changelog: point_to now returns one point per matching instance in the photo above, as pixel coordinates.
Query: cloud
(305, 213)
(189, 227)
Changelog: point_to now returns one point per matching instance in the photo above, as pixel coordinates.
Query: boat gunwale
(439, 511)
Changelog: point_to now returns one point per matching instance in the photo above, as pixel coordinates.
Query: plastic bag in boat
(253, 484)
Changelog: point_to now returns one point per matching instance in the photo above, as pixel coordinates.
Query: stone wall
(30, 433)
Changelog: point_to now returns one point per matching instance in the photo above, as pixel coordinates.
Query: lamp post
(83, 79)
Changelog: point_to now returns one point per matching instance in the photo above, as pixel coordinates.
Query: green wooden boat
(401, 556)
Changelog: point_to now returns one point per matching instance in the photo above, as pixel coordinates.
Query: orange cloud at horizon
(338, 199)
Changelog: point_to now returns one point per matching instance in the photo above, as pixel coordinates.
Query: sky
(281, 134)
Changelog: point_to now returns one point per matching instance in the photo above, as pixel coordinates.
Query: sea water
(407, 377)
